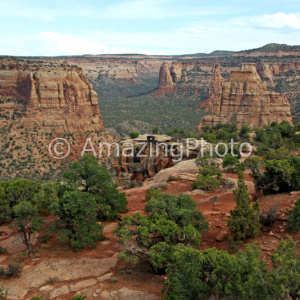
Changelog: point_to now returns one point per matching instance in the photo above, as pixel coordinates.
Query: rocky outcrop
(57, 97)
(146, 155)
(145, 159)
(176, 71)
(245, 100)
(251, 68)
(216, 81)
(165, 79)
(266, 73)
(185, 75)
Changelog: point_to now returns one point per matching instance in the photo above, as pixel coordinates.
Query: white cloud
(56, 44)
(277, 21)
(63, 44)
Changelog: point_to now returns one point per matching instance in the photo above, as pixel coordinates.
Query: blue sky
(65, 27)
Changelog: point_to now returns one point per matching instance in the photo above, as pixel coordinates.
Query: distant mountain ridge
(268, 48)
(271, 49)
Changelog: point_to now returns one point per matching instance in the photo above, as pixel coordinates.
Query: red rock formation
(176, 71)
(165, 79)
(245, 100)
(58, 98)
(216, 81)
(252, 69)
(148, 159)
(266, 72)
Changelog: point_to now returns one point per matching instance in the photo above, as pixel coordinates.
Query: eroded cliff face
(268, 71)
(56, 97)
(245, 100)
(216, 81)
(165, 79)
(185, 74)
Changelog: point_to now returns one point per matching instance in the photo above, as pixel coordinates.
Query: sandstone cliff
(216, 81)
(266, 72)
(165, 79)
(176, 71)
(245, 100)
(52, 97)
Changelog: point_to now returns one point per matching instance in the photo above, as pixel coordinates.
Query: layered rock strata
(245, 100)
(57, 97)
(148, 154)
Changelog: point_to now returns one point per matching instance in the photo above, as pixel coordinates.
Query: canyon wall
(50, 96)
(245, 100)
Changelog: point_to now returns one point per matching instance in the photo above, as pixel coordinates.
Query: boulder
(221, 236)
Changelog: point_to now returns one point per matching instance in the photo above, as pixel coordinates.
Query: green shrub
(172, 178)
(244, 219)
(210, 171)
(170, 220)
(12, 270)
(211, 138)
(162, 187)
(3, 292)
(268, 218)
(155, 130)
(12, 193)
(230, 162)
(78, 297)
(77, 223)
(208, 179)
(133, 134)
(3, 250)
(275, 175)
(27, 222)
(196, 274)
(233, 245)
(294, 217)
(206, 183)
(152, 192)
(91, 178)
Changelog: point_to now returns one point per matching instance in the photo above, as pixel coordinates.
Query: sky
(154, 27)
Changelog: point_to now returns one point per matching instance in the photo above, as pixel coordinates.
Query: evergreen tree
(77, 222)
(27, 222)
(294, 217)
(89, 177)
(285, 277)
(244, 219)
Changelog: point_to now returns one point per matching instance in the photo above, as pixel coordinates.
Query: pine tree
(244, 219)
(294, 217)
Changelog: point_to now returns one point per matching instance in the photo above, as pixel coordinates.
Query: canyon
(47, 97)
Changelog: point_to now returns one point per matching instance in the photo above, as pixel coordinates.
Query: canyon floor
(57, 272)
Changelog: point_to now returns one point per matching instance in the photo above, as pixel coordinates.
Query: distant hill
(219, 53)
(272, 48)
